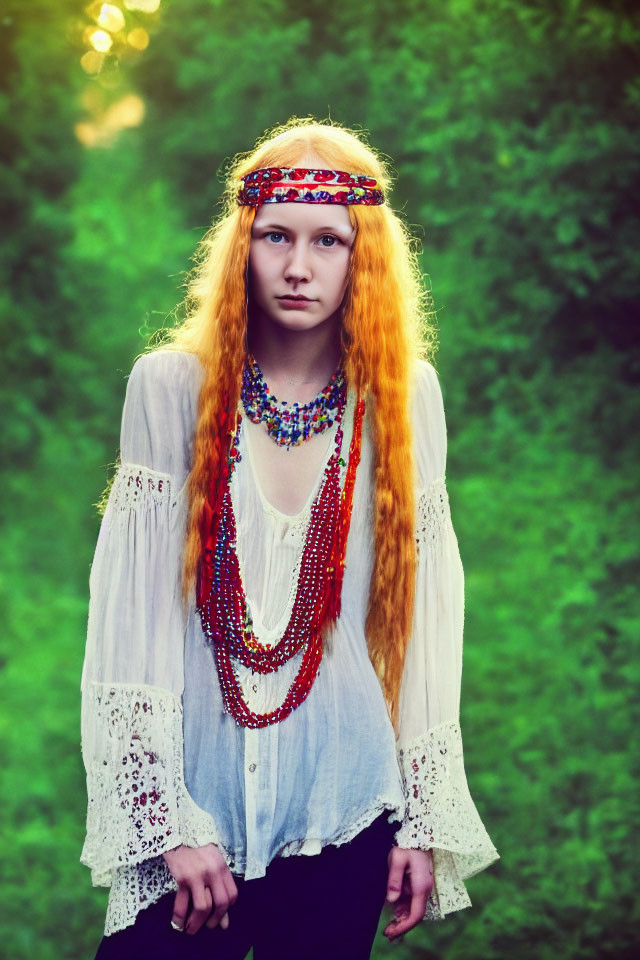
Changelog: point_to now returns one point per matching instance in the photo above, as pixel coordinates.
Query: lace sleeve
(133, 673)
(439, 814)
(138, 805)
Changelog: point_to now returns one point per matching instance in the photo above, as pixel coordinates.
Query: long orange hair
(386, 323)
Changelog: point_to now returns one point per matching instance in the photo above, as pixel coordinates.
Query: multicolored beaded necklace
(222, 603)
(290, 425)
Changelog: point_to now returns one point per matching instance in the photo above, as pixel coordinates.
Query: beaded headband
(276, 185)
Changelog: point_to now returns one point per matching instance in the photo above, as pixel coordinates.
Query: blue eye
(327, 236)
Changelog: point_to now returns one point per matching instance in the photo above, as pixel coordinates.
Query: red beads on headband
(304, 185)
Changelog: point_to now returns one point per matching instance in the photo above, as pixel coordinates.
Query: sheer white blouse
(166, 765)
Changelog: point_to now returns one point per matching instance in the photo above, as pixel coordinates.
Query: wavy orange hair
(386, 322)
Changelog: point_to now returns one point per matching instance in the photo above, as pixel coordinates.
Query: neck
(296, 364)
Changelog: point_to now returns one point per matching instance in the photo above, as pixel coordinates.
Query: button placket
(251, 792)
(260, 775)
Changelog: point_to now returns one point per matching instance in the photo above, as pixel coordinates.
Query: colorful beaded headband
(275, 185)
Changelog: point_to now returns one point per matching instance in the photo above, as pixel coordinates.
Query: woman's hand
(409, 886)
(204, 878)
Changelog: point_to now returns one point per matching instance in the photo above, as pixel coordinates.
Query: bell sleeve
(440, 814)
(132, 680)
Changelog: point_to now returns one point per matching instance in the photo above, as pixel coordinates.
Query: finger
(220, 901)
(416, 914)
(202, 903)
(394, 880)
(232, 896)
(392, 930)
(180, 907)
(232, 889)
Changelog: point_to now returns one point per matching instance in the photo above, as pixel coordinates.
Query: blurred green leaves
(511, 126)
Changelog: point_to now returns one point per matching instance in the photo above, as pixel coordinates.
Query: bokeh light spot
(91, 61)
(100, 40)
(138, 38)
(111, 18)
(127, 112)
(86, 133)
(145, 6)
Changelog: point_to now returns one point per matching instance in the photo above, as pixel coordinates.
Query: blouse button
(254, 688)
(252, 767)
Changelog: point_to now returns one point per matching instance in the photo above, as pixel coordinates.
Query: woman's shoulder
(425, 383)
(167, 379)
(428, 421)
(166, 368)
(160, 410)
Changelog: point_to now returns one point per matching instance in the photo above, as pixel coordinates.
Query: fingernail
(176, 927)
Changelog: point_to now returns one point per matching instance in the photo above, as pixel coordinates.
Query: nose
(298, 265)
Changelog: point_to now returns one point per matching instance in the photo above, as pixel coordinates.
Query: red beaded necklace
(222, 603)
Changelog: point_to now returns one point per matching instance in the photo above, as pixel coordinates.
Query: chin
(298, 322)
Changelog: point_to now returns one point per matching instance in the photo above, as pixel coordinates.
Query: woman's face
(299, 250)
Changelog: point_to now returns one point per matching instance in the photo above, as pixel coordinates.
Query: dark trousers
(322, 907)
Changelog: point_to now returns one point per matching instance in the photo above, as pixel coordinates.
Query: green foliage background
(511, 125)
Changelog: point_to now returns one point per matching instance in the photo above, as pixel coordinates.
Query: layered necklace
(222, 603)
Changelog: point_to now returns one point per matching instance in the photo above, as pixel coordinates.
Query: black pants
(323, 907)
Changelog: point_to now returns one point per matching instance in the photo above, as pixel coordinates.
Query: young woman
(272, 678)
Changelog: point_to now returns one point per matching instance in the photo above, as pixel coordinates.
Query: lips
(289, 297)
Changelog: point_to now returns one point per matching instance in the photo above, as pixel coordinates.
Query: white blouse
(166, 765)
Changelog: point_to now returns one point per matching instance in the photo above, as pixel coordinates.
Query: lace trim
(433, 513)
(134, 889)
(364, 820)
(138, 805)
(441, 816)
(138, 487)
